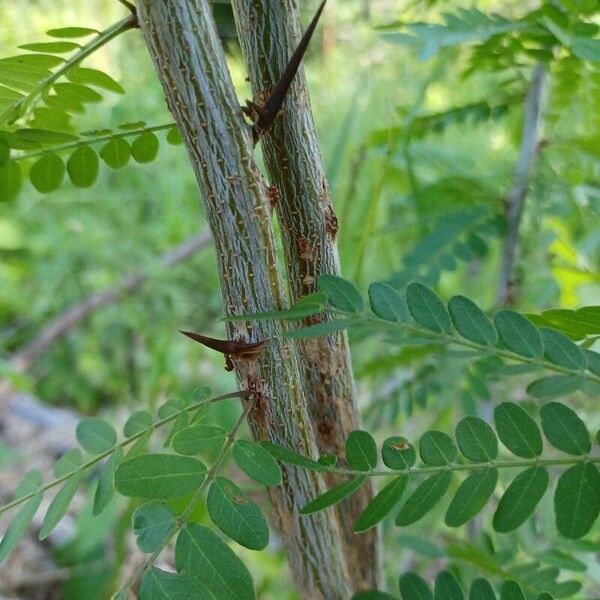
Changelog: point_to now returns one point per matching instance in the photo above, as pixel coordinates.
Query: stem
(95, 140)
(100, 40)
(123, 444)
(181, 520)
(508, 464)
(449, 339)
(515, 201)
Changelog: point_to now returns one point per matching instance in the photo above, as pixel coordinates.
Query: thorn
(267, 113)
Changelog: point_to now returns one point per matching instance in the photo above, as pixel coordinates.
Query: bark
(184, 45)
(268, 33)
(515, 201)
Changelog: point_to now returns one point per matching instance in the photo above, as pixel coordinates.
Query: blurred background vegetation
(405, 168)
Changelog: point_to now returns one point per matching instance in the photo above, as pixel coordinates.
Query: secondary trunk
(184, 45)
(269, 33)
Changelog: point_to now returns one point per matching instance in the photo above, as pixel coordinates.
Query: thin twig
(100, 40)
(61, 325)
(181, 520)
(530, 142)
(122, 444)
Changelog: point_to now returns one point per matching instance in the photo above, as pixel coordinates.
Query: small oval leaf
(447, 587)
(159, 476)
(361, 451)
(427, 309)
(152, 522)
(398, 453)
(564, 429)
(471, 322)
(518, 334)
(236, 515)
(476, 440)
(520, 499)
(95, 435)
(145, 147)
(333, 496)
(424, 498)
(341, 293)
(256, 462)
(471, 496)
(82, 167)
(555, 386)
(137, 422)
(517, 430)
(437, 448)
(560, 350)
(387, 303)
(414, 587)
(381, 505)
(577, 500)
(47, 173)
(116, 153)
(198, 438)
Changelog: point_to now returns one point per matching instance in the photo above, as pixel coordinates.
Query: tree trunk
(184, 45)
(268, 33)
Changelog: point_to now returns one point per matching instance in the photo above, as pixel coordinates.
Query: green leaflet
(447, 587)
(341, 293)
(145, 147)
(82, 167)
(116, 152)
(106, 486)
(137, 422)
(51, 47)
(564, 429)
(334, 496)
(95, 435)
(414, 587)
(18, 525)
(71, 32)
(152, 523)
(160, 585)
(159, 476)
(68, 462)
(427, 309)
(520, 499)
(387, 303)
(476, 439)
(560, 350)
(202, 553)
(471, 322)
(256, 462)
(198, 438)
(481, 589)
(518, 334)
(381, 504)
(554, 386)
(398, 453)
(437, 448)
(236, 515)
(361, 451)
(60, 504)
(577, 500)
(11, 181)
(471, 496)
(94, 77)
(424, 498)
(291, 457)
(517, 430)
(511, 590)
(47, 173)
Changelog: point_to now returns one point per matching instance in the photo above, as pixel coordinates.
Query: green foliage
(236, 515)
(256, 462)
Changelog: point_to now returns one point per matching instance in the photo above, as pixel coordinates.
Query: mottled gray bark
(269, 32)
(190, 62)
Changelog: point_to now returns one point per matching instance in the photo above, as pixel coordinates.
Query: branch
(100, 40)
(74, 316)
(530, 138)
